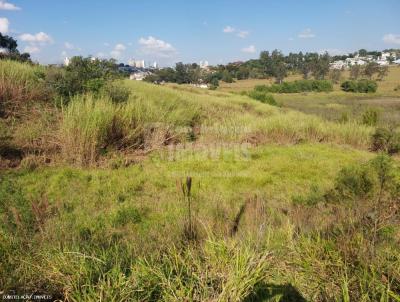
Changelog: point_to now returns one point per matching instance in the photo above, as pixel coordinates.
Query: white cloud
(40, 37)
(291, 39)
(243, 34)
(240, 33)
(250, 49)
(68, 45)
(64, 53)
(106, 44)
(306, 34)
(4, 23)
(391, 38)
(120, 47)
(156, 47)
(31, 49)
(3, 50)
(116, 53)
(8, 6)
(228, 29)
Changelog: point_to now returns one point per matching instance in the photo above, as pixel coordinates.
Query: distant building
(355, 61)
(338, 64)
(203, 64)
(137, 63)
(139, 75)
(67, 61)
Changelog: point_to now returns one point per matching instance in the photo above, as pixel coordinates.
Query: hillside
(184, 194)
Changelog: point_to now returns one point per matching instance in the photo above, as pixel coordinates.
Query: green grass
(102, 224)
(96, 211)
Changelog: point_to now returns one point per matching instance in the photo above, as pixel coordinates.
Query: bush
(386, 140)
(361, 86)
(116, 92)
(370, 117)
(81, 75)
(263, 97)
(214, 83)
(355, 182)
(297, 86)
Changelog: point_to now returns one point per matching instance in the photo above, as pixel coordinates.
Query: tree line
(270, 65)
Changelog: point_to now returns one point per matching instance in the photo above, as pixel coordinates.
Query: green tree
(320, 66)
(10, 51)
(227, 77)
(362, 52)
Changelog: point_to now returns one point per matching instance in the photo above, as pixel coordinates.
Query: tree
(355, 72)
(383, 71)
(321, 66)
(362, 52)
(8, 43)
(10, 51)
(243, 72)
(335, 75)
(227, 77)
(370, 69)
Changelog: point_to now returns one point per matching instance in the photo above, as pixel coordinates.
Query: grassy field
(184, 194)
(337, 105)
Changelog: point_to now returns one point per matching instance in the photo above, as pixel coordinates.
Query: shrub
(367, 86)
(297, 86)
(214, 83)
(81, 75)
(263, 97)
(355, 182)
(362, 86)
(370, 117)
(116, 92)
(386, 140)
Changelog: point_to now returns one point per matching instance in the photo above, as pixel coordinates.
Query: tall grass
(91, 125)
(86, 127)
(19, 83)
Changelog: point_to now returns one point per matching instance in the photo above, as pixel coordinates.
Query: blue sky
(190, 31)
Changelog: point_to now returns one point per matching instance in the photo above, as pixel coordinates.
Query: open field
(337, 105)
(185, 194)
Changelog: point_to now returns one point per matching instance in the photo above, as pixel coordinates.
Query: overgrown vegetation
(297, 86)
(129, 191)
(363, 86)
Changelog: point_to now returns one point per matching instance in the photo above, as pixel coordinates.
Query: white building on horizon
(142, 64)
(67, 61)
(203, 64)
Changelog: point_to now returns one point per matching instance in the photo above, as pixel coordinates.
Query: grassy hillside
(183, 194)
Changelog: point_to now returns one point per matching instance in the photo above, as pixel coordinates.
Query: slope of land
(183, 194)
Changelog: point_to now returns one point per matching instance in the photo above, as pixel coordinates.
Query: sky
(219, 31)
